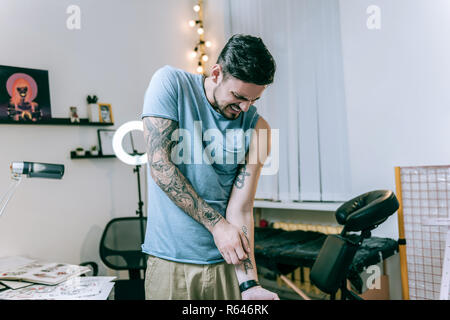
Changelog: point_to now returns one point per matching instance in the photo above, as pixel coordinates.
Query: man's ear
(216, 73)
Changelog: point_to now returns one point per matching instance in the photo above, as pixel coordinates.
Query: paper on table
(15, 284)
(24, 269)
(103, 295)
(79, 288)
(86, 288)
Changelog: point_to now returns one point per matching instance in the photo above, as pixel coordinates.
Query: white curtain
(306, 102)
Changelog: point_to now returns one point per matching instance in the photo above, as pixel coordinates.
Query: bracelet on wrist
(247, 285)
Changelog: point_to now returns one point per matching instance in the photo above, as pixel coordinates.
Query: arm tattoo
(158, 133)
(240, 179)
(247, 262)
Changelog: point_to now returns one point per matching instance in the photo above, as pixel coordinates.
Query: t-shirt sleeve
(161, 95)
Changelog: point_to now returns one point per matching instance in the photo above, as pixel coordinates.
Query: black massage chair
(359, 215)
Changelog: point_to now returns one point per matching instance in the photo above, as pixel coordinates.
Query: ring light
(118, 148)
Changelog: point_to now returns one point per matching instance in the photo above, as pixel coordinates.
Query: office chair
(361, 214)
(120, 249)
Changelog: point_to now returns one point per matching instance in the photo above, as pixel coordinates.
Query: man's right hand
(231, 242)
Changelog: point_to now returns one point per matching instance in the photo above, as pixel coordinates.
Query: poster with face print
(24, 94)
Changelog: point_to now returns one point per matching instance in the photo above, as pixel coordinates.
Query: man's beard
(220, 109)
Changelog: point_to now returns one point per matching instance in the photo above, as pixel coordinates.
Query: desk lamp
(30, 170)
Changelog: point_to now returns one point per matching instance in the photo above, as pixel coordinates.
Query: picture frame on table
(105, 139)
(105, 113)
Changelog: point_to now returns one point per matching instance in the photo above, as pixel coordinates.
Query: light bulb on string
(194, 52)
(208, 44)
(199, 51)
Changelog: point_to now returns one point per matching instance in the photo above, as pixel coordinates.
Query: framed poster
(105, 138)
(24, 94)
(105, 113)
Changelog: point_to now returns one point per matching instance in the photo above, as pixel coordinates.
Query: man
(200, 213)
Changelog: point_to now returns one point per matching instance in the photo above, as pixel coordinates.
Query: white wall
(397, 97)
(216, 24)
(396, 82)
(119, 46)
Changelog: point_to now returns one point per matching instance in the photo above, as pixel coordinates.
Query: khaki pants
(169, 280)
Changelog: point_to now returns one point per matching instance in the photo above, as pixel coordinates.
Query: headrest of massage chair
(367, 210)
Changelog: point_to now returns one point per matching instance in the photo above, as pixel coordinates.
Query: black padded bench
(283, 251)
(335, 258)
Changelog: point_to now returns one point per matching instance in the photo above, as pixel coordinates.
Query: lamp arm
(8, 195)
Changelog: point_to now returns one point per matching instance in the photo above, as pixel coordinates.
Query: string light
(200, 49)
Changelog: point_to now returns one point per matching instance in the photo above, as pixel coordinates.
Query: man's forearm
(169, 178)
(244, 221)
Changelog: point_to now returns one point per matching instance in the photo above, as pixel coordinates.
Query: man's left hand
(259, 293)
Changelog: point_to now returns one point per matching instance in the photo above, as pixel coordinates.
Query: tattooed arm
(240, 206)
(157, 134)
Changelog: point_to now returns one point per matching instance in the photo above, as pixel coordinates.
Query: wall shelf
(57, 121)
(88, 155)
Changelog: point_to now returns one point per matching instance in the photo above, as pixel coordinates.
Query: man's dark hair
(246, 58)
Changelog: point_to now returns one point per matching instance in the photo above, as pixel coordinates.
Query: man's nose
(245, 105)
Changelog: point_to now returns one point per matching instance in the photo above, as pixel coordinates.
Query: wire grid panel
(425, 195)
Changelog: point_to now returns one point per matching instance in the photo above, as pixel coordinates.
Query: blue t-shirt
(208, 149)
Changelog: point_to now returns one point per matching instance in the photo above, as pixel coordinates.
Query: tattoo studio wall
(73, 63)
(24, 94)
